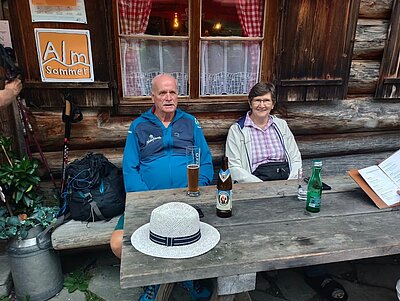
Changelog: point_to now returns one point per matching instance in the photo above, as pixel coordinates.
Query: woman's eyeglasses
(259, 101)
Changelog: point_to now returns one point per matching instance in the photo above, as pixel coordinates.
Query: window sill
(231, 103)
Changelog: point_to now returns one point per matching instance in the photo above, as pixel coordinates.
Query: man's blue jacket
(155, 156)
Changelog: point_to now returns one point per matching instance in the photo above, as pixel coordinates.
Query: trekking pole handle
(67, 107)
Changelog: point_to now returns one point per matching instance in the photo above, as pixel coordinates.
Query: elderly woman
(260, 146)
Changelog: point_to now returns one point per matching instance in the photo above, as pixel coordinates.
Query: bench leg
(164, 291)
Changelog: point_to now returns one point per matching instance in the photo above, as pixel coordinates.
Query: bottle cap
(317, 163)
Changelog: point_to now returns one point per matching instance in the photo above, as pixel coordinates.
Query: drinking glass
(301, 186)
(193, 169)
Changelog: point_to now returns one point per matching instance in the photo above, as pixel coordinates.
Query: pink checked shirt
(265, 144)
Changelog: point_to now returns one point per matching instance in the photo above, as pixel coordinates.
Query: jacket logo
(152, 139)
(197, 123)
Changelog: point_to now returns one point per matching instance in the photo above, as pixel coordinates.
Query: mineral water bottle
(314, 189)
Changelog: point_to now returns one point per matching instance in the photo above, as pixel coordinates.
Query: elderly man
(155, 158)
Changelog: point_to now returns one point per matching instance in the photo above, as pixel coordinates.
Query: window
(152, 40)
(212, 47)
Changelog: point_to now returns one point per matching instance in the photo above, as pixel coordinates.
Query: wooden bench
(77, 234)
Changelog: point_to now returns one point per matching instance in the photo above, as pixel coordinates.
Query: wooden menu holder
(355, 175)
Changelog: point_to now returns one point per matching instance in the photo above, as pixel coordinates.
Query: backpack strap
(41, 237)
(95, 209)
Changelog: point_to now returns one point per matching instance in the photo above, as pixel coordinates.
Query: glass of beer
(193, 169)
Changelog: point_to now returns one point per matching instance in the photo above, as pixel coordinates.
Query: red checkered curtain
(250, 13)
(133, 19)
(134, 16)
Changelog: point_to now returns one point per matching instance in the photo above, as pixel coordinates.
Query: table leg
(164, 291)
(245, 296)
(234, 287)
(230, 285)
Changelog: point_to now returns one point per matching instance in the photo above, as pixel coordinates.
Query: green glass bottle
(314, 189)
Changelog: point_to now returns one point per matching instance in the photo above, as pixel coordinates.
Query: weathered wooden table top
(270, 229)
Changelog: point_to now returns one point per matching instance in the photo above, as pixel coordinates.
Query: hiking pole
(71, 114)
(24, 131)
(28, 130)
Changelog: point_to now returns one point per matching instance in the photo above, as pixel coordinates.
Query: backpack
(94, 189)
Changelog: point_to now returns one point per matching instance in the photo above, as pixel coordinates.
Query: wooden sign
(64, 55)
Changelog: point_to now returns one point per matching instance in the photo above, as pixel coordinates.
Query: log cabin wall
(352, 132)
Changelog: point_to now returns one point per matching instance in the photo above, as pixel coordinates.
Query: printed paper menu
(384, 179)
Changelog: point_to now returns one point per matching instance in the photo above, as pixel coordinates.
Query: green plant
(79, 280)
(21, 202)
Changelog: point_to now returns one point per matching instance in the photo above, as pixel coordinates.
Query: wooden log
(342, 116)
(373, 9)
(364, 76)
(352, 115)
(314, 146)
(99, 129)
(338, 165)
(370, 39)
(311, 146)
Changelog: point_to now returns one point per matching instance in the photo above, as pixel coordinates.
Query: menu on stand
(381, 181)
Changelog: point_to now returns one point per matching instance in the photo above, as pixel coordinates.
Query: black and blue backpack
(94, 189)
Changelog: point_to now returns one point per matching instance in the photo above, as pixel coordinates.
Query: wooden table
(269, 230)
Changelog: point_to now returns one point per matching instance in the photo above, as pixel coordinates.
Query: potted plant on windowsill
(35, 268)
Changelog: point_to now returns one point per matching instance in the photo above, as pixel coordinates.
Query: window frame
(390, 59)
(194, 102)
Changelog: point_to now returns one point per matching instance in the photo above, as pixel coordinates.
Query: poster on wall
(64, 55)
(5, 37)
(72, 11)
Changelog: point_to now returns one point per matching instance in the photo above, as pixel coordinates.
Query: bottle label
(224, 199)
(315, 202)
(224, 175)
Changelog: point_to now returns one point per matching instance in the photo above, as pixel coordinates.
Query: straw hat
(175, 231)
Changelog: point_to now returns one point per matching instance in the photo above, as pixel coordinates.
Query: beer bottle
(314, 189)
(224, 190)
